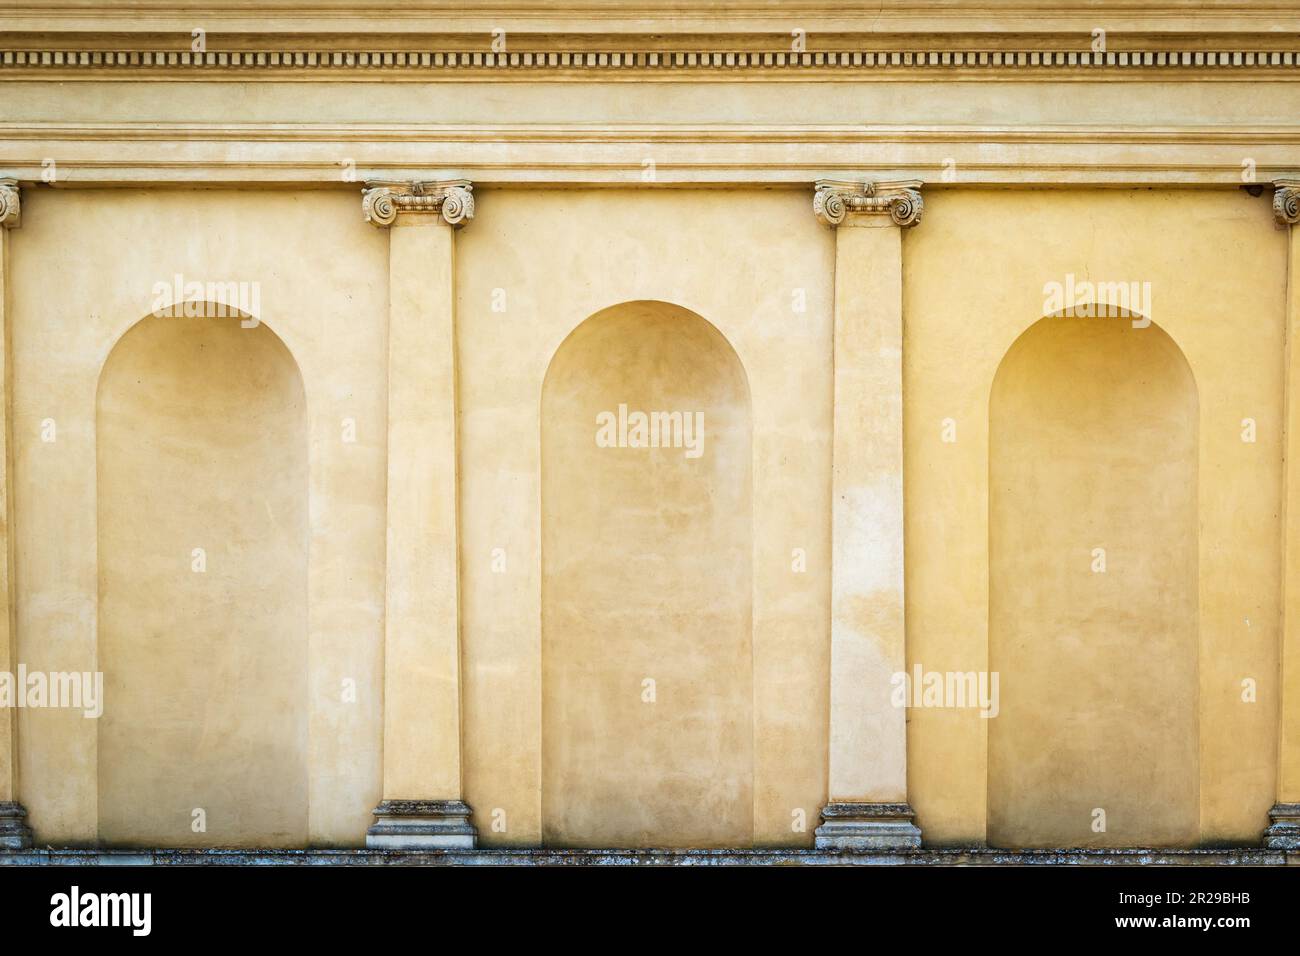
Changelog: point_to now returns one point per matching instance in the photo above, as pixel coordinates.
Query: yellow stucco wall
(760, 270)
(974, 280)
(692, 250)
(323, 294)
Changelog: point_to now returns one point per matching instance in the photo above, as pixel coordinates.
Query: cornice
(347, 155)
(834, 201)
(382, 202)
(639, 133)
(922, 16)
(10, 204)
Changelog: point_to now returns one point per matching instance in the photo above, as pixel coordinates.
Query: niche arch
(1093, 587)
(201, 450)
(647, 676)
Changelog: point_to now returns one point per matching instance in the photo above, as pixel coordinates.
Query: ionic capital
(1286, 201)
(834, 201)
(453, 199)
(10, 210)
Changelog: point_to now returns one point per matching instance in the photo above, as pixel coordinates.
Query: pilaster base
(421, 825)
(867, 826)
(15, 834)
(1283, 831)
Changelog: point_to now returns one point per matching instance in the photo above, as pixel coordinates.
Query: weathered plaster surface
(429, 580)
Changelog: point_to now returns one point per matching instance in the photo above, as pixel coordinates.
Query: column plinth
(422, 824)
(867, 826)
(1283, 832)
(15, 834)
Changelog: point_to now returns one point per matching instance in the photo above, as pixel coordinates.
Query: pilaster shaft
(868, 735)
(14, 833)
(422, 758)
(1284, 823)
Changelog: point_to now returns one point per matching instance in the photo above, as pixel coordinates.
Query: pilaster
(421, 805)
(14, 832)
(868, 735)
(1283, 831)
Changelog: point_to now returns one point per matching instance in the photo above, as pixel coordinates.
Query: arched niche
(647, 708)
(202, 525)
(1093, 587)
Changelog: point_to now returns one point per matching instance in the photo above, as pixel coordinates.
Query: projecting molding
(381, 202)
(834, 201)
(147, 153)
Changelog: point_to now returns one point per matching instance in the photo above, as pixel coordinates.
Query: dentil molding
(727, 60)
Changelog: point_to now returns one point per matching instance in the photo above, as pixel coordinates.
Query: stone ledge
(955, 856)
